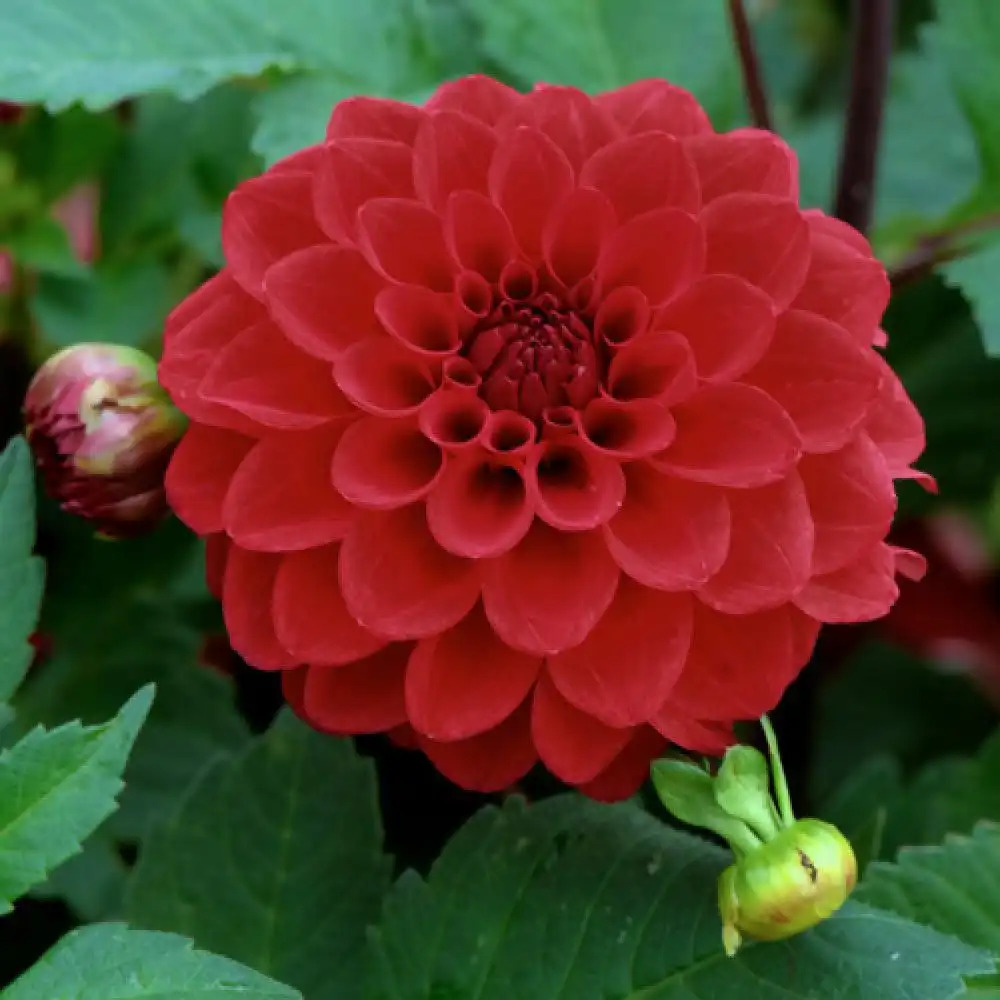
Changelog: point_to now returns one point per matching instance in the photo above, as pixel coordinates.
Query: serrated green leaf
(968, 33)
(21, 573)
(975, 276)
(92, 883)
(572, 899)
(274, 859)
(58, 52)
(600, 44)
(111, 962)
(55, 788)
(954, 888)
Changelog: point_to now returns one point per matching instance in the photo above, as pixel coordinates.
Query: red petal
(480, 507)
(821, 224)
(281, 497)
(323, 299)
(508, 433)
(491, 761)
(770, 549)
(261, 375)
(421, 319)
(852, 502)
(362, 697)
(353, 172)
(293, 686)
(728, 324)
(621, 317)
(670, 534)
(528, 176)
(310, 617)
(745, 160)
(397, 581)
(547, 593)
(449, 697)
(659, 367)
(731, 435)
(454, 419)
(404, 240)
(660, 253)
(568, 117)
(384, 463)
(452, 153)
(574, 488)
(821, 377)
(860, 592)
(374, 118)
(265, 219)
(216, 555)
(909, 564)
(247, 594)
(627, 430)
(480, 96)
(760, 238)
(479, 234)
(655, 106)
(199, 474)
(574, 746)
(642, 173)
(846, 286)
(739, 665)
(382, 376)
(711, 738)
(196, 331)
(575, 233)
(624, 670)
(894, 423)
(627, 772)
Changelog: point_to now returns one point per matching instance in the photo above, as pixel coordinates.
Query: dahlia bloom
(538, 427)
(102, 431)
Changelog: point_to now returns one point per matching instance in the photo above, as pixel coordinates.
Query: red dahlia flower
(538, 427)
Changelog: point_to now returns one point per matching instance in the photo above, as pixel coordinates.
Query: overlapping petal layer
(539, 427)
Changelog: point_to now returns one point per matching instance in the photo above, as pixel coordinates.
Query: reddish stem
(753, 80)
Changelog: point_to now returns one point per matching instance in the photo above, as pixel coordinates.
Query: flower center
(532, 356)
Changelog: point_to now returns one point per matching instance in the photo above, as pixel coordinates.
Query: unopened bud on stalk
(787, 874)
(102, 431)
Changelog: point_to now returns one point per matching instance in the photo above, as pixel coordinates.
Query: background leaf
(975, 277)
(21, 573)
(274, 859)
(572, 899)
(55, 789)
(111, 962)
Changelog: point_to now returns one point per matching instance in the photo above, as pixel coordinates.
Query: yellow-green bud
(787, 885)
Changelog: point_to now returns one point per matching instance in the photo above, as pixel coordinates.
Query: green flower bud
(787, 885)
(102, 430)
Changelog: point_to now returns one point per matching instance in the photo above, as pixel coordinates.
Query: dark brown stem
(753, 81)
(938, 248)
(872, 49)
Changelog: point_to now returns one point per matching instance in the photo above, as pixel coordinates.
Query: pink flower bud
(102, 431)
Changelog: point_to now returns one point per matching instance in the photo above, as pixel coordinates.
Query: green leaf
(119, 303)
(111, 962)
(600, 44)
(92, 883)
(968, 34)
(21, 574)
(572, 899)
(274, 859)
(922, 172)
(975, 277)
(43, 245)
(55, 788)
(58, 52)
(952, 888)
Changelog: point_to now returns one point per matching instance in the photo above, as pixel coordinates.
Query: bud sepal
(787, 875)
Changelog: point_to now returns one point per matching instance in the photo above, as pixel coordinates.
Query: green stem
(778, 774)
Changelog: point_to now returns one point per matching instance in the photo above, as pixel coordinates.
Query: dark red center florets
(534, 355)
